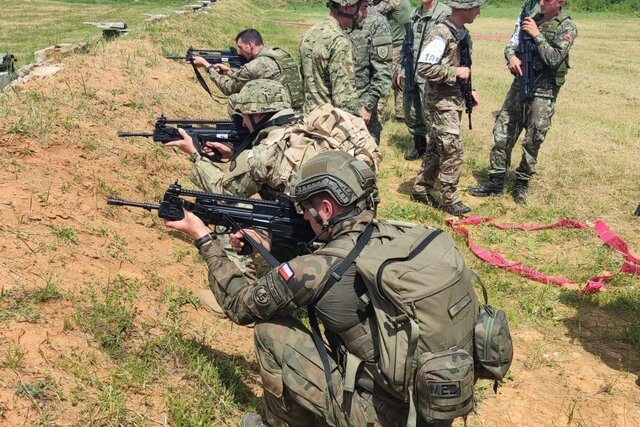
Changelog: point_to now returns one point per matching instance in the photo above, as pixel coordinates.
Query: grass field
(99, 322)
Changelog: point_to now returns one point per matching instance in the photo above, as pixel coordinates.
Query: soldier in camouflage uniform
(372, 58)
(335, 192)
(553, 36)
(326, 58)
(268, 167)
(439, 65)
(423, 19)
(264, 63)
(397, 13)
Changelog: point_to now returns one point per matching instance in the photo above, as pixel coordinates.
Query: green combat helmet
(261, 96)
(347, 179)
(464, 4)
(344, 2)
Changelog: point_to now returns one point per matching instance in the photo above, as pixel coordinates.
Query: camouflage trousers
(444, 157)
(509, 125)
(398, 106)
(415, 116)
(295, 388)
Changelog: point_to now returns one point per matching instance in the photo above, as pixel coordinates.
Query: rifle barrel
(128, 134)
(120, 202)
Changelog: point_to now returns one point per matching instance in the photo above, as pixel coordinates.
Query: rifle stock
(231, 213)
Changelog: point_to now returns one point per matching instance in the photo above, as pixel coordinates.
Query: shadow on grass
(607, 325)
(233, 371)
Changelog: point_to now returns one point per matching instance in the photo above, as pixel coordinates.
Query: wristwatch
(209, 67)
(204, 240)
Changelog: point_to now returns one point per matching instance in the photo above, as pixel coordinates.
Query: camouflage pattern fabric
(328, 73)
(398, 13)
(263, 66)
(551, 62)
(372, 60)
(443, 159)
(422, 23)
(441, 89)
(277, 154)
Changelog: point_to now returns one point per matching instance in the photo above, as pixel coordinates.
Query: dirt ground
(59, 178)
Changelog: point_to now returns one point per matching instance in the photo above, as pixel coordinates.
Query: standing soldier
(397, 13)
(264, 63)
(553, 33)
(326, 58)
(372, 60)
(440, 65)
(424, 18)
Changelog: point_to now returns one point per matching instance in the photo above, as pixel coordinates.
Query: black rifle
(637, 211)
(407, 59)
(526, 53)
(201, 131)
(212, 56)
(230, 213)
(465, 85)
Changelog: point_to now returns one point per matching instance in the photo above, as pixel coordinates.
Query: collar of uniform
(354, 224)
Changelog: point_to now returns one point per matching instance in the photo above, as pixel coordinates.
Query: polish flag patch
(285, 272)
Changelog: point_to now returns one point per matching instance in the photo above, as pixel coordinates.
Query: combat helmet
(348, 180)
(465, 4)
(344, 2)
(261, 96)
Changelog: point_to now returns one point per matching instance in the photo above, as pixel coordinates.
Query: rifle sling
(199, 77)
(278, 121)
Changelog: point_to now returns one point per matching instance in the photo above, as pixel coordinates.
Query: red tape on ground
(594, 284)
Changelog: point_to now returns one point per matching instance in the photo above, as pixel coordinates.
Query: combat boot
(457, 209)
(251, 419)
(419, 148)
(520, 191)
(425, 198)
(493, 186)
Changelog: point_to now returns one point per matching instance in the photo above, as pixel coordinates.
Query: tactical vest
(289, 74)
(548, 31)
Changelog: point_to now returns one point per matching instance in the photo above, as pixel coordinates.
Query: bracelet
(206, 239)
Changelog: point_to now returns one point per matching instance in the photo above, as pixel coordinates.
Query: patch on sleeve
(432, 53)
(261, 296)
(568, 38)
(285, 272)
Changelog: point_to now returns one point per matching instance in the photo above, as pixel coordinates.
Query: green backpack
(425, 311)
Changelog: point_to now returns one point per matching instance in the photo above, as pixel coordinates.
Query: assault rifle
(230, 213)
(407, 59)
(201, 131)
(465, 85)
(526, 53)
(213, 56)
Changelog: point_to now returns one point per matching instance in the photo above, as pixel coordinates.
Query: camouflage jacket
(398, 13)
(294, 284)
(328, 74)
(437, 65)
(422, 23)
(278, 152)
(272, 64)
(372, 58)
(551, 62)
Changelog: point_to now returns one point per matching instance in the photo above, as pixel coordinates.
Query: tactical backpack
(289, 75)
(425, 310)
(325, 128)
